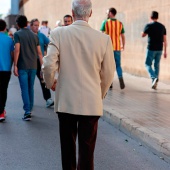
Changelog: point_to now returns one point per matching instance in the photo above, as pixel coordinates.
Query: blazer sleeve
(51, 61)
(107, 68)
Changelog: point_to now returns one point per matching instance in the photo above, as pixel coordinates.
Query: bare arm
(123, 41)
(144, 34)
(165, 46)
(40, 55)
(16, 56)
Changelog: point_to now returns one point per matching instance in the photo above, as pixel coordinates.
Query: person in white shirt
(12, 29)
(44, 28)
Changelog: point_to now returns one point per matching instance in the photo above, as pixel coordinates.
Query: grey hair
(82, 8)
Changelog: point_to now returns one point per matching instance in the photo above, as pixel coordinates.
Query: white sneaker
(154, 83)
(49, 103)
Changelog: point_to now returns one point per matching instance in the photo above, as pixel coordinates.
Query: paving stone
(141, 112)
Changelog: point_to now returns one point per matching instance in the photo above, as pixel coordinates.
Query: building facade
(10, 18)
(14, 7)
(133, 13)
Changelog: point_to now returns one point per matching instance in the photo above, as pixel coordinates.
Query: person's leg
(157, 63)
(157, 58)
(150, 55)
(1, 92)
(31, 80)
(4, 81)
(23, 80)
(111, 86)
(117, 57)
(87, 134)
(45, 91)
(68, 133)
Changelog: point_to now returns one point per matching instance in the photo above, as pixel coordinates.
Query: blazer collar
(81, 23)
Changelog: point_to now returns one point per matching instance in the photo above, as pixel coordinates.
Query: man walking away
(156, 41)
(115, 29)
(25, 62)
(83, 57)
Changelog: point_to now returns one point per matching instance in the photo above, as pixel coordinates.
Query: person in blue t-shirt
(44, 41)
(6, 60)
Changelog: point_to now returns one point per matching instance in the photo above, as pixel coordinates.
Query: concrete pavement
(141, 112)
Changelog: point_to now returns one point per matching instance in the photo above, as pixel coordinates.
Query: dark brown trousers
(86, 128)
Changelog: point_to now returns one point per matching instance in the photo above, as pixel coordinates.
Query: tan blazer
(84, 59)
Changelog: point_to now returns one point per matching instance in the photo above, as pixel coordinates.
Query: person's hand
(54, 85)
(41, 74)
(16, 71)
(122, 48)
(165, 55)
(41, 77)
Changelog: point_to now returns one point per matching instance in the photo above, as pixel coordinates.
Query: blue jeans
(26, 80)
(153, 56)
(117, 57)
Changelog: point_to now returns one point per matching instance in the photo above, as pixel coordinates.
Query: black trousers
(86, 128)
(46, 92)
(4, 81)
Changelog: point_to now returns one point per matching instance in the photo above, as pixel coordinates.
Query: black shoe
(154, 83)
(122, 84)
(27, 117)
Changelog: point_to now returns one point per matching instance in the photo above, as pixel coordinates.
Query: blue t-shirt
(43, 40)
(6, 47)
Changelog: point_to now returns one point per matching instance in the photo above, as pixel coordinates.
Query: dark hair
(33, 20)
(68, 16)
(154, 15)
(21, 20)
(113, 11)
(44, 22)
(2, 25)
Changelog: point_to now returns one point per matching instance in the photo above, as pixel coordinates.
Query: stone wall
(133, 13)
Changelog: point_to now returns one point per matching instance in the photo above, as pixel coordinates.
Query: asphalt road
(35, 145)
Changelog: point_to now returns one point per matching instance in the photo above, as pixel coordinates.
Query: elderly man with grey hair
(84, 62)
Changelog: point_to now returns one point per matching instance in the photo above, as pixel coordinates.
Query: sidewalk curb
(154, 142)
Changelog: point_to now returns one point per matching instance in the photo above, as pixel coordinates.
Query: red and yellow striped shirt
(114, 28)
